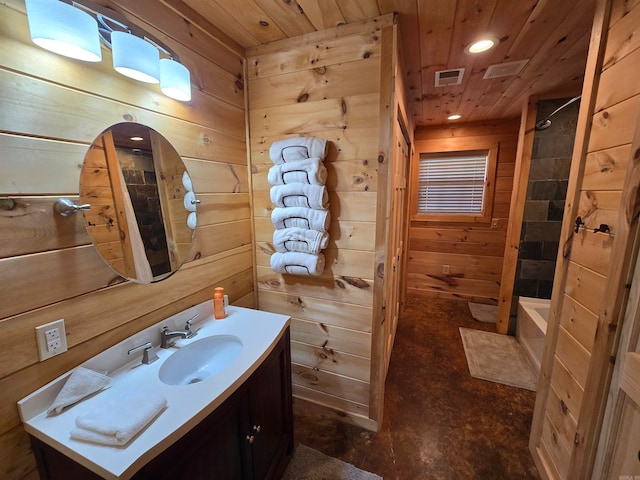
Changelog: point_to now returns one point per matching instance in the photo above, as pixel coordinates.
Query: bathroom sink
(200, 360)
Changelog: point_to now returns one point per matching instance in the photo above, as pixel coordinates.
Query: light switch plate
(52, 339)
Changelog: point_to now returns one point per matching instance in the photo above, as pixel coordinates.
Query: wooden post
(381, 309)
(516, 213)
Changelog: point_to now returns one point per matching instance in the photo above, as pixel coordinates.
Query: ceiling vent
(446, 78)
(504, 69)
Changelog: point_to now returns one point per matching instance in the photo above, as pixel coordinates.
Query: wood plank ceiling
(553, 35)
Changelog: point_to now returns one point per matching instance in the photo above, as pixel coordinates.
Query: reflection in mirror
(132, 177)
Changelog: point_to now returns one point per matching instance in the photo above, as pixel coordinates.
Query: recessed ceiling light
(454, 116)
(137, 139)
(481, 45)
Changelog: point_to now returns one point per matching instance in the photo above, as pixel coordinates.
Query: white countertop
(187, 404)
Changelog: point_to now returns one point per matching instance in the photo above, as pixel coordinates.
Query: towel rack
(604, 228)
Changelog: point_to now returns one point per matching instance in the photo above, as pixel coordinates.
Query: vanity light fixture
(481, 45)
(63, 29)
(135, 58)
(75, 29)
(454, 116)
(175, 80)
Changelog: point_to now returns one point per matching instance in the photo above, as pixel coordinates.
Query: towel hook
(604, 228)
(579, 223)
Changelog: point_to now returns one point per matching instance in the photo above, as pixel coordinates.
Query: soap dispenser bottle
(218, 303)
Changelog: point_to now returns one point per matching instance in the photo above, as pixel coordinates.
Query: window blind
(452, 184)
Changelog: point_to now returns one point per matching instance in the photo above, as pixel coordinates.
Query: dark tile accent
(550, 251)
(530, 251)
(541, 169)
(538, 270)
(525, 288)
(536, 210)
(132, 177)
(544, 289)
(548, 180)
(153, 204)
(562, 168)
(150, 177)
(546, 190)
(543, 231)
(561, 191)
(556, 210)
(556, 146)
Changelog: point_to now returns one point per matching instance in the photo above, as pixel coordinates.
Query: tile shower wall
(140, 176)
(546, 193)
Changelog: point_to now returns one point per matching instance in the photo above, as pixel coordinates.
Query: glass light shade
(135, 57)
(64, 29)
(454, 116)
(481, 45)
(175, 80)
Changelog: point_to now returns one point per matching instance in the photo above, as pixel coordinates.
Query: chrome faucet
(148, 353)
(167, 336)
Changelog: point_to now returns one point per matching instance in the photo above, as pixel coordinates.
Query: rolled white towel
(300, 195)
(192, 220)
(297, 263)
(190, 202)
(81, 383)
(311, 171)
(298, 148)
(309, 218)
(118, 417)
(186, 182)
(300, 240)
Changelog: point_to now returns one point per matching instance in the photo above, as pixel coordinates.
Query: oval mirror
(133, 179)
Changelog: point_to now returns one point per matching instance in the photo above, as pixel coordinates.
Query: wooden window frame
(489, 187)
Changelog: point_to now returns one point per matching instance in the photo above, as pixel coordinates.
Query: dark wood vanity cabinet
(248, 437)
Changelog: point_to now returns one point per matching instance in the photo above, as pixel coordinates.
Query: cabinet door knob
(256, 428)
(251, 439)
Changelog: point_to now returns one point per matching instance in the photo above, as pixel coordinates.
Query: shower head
(543, 124)
(546, 123)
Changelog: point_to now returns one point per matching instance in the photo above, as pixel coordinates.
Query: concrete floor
(440, 423)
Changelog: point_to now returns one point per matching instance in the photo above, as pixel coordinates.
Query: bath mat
(309, 464)
(498, 358)
(484, 313)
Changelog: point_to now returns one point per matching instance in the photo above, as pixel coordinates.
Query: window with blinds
(452, 183)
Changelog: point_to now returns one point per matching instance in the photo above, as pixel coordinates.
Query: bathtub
(531, 327)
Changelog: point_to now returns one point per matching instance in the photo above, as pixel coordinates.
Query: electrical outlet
(445, 269)
(52, 339)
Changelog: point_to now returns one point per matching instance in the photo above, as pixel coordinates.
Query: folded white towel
(81, 383)
(118, 417)
(300, 195)
(311, 171)
(297, 263)
(300, 240)
(309, 218)
(298, 148)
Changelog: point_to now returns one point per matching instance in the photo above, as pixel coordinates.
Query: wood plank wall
(588, 300)
(473, 251)
(328, 84)
(52, 109)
